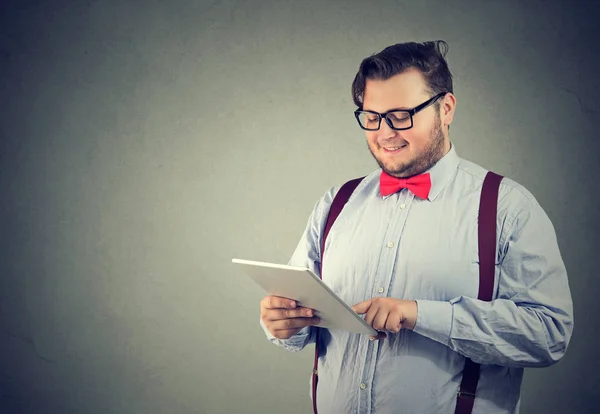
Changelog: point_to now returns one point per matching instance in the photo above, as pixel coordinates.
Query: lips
(393, 149)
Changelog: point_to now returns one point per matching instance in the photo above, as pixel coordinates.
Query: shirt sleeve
(307, 254)
(530, 322)
(294, 343)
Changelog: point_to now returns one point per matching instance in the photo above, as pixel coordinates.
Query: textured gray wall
(143, 144)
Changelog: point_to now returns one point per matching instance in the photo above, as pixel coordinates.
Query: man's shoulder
(511, 192)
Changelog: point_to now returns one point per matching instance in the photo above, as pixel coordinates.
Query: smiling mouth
(394, 149)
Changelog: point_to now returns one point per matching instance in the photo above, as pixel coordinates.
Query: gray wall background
(143, 144)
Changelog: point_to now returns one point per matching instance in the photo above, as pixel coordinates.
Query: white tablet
(303, 286)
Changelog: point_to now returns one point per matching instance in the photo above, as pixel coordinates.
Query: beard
(432, 153)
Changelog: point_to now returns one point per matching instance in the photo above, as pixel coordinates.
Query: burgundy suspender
(338, 203)
(486, 232)
(487, 255)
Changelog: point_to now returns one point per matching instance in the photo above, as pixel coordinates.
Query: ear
(447, 107)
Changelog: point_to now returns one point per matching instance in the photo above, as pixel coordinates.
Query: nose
(385, 132)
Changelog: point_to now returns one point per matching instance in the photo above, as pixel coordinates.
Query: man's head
(403, 77)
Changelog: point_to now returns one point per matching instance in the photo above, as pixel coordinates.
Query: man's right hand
(283, 318)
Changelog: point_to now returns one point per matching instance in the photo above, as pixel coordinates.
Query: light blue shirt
(426, 250)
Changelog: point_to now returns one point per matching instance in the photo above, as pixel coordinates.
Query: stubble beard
(424, 161)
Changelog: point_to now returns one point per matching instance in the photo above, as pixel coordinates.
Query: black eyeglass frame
(411, 113)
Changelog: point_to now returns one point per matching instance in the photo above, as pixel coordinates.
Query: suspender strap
(488, 208)
(338, 203)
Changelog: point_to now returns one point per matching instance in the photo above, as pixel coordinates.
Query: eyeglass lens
(399, 119)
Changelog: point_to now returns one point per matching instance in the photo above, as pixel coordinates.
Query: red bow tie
(419, 185)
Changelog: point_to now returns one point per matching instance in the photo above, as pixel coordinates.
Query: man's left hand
(388, 314)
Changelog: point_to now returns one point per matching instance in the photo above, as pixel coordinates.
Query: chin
(396, 170)
(397, 167)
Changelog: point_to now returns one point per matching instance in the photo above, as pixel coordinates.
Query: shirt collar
(442, 172)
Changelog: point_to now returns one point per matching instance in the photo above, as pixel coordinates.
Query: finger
(293, 323)
(277, 302)
(393, 322)
(362, 307)
(380, 335)
(280, 314)
(284, 334)
(380, 319)
(287, 333)
(371, 315)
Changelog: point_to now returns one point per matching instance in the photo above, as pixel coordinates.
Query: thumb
(362, 307)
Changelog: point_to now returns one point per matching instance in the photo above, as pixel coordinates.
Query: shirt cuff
(295, 343)
(434, 320)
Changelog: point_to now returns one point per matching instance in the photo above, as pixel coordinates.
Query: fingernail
(292, 304)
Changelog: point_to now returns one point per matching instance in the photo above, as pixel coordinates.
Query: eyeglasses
(397, 119)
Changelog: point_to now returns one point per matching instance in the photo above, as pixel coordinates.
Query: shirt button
(363, 386)
(402, 206)
(380, 290)
(390, 244)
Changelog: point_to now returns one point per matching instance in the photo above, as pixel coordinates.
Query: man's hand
(283, 318)
(388, 314)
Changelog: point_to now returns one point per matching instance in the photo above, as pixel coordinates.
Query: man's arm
(531, 321)
(307, 254)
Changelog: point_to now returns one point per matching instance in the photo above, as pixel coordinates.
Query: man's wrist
(411, 315)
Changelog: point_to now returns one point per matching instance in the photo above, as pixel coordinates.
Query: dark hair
(428, 57)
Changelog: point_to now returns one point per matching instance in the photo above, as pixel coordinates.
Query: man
(409, 262)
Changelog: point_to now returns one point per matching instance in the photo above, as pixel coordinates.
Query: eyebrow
(389, 110)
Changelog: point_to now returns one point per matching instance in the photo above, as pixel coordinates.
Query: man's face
(412, 151)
